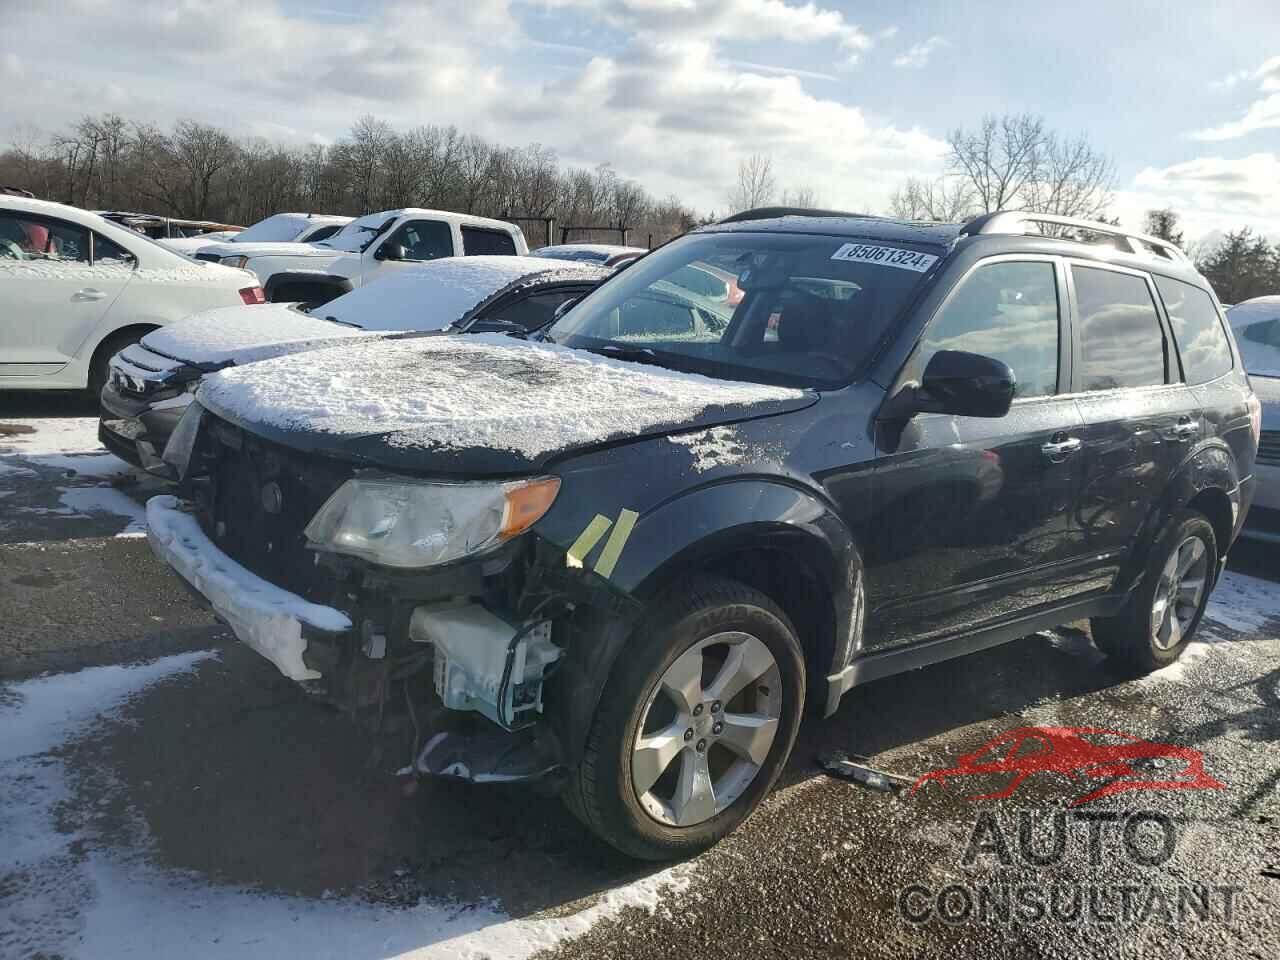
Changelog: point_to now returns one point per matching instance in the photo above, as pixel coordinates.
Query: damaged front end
(427, 611)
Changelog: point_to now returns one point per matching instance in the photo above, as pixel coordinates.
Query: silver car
(1256, 324)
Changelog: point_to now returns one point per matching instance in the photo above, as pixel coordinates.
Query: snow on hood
(482, 391)
(267, 249)
(437, 293)
(244, 334)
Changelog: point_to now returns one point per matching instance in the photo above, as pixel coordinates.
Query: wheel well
(135, 330)
(789, 582)
(1216, 506)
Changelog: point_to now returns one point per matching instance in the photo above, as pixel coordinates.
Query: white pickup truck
(369, 247)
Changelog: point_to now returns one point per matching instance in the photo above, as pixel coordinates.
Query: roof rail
(771, 213)
(1017, 221)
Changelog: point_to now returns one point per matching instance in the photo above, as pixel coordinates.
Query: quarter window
(477, 242)
(1121, 343)
(109, 254)
(1007, 311)
(1197, 329)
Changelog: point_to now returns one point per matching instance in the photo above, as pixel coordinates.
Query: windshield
(764, 307)
(278, 228)
(358, 235)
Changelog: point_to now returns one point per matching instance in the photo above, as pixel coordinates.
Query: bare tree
(945, 200)
(1070, 179)
(804, 197)
(756, 184)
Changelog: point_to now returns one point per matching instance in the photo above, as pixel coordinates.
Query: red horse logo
(1127, 762)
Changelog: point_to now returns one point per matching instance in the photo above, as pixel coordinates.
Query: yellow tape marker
(587, 539)
(617, 540)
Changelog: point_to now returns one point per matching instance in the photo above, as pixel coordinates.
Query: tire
(100, 365)
(694, 629)
(1133, 639)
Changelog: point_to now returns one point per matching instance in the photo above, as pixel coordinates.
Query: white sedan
(75, 289)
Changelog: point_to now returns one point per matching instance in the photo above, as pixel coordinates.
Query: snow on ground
(89, 500)
(67, 895)
(52, 435)
(483, 390)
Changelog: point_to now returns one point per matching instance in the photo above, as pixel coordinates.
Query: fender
(686, 533)
(316, 278)
(1209, 466)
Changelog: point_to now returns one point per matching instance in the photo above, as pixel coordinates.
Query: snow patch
(716, 447)
(53, 435)
(91, 500)
(77, 900)
(1243, 603)
(482, 390)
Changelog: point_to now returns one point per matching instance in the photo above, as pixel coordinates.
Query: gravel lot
(165, 792)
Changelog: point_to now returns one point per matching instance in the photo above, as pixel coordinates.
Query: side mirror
(392, 251)
(959, 383)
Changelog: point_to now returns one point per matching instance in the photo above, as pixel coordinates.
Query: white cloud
(1262, 114)
(918, 54)
(661, 100)
(1210, 193)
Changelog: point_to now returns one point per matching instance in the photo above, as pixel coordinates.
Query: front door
(413, 242)
(975, 514)
(53, 294)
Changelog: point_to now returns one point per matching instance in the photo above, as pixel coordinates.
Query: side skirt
(886, 663)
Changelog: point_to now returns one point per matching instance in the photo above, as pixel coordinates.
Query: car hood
(477, 405)
(269, 249)
(225, 336)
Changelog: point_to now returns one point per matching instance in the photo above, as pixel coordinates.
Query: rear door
(54, 296)
(1140, 418)
(975, 513)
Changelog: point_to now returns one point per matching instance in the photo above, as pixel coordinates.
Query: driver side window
(1007, 311)
(419, 240)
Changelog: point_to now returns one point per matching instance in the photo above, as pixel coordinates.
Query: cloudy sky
(848, 97)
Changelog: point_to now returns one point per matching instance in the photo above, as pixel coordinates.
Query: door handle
(1186, 428)
(1060, 449)
(86, 294)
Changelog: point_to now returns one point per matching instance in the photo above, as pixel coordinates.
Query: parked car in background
(75, 289)
(278, 228)
(166, 228)
(624, 555)
(1256, 324)
(370, 247)
(153, 381)
(607, 254)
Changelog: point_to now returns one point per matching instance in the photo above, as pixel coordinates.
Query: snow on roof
(284, 226)
(434, 294)
(243, 334)
(484, 390)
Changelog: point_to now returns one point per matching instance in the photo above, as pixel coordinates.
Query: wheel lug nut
(688, 734)
(702, 746)
(697, 710)
(717, 728)
(715, 707)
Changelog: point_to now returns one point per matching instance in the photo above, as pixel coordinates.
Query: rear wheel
(1162, 614)
(695, 723)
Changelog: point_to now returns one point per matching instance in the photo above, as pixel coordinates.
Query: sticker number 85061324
(885, 256)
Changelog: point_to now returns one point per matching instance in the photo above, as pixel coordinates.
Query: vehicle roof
(845, 225)
(382, 216)
(307, 218)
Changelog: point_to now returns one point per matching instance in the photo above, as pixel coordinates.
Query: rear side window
(538, 310)
(1121, 343)
(1197, 329)
(109, 254)
(25, 237)
(477, 242)
(1007, 311)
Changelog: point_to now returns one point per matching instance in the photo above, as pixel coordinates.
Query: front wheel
(1162, 614)
(695, 723)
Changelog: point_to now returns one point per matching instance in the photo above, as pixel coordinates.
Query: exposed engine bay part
(485, 664)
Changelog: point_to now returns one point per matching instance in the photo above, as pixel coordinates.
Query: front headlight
(409, 523)
(234, 261)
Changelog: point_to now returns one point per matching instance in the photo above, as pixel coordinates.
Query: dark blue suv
(621, 559)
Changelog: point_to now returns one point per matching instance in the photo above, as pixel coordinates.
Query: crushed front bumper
(272, 621)
(137, 430)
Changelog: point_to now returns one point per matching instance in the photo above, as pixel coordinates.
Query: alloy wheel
(1182, 584)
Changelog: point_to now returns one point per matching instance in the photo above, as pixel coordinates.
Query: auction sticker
(886, 256)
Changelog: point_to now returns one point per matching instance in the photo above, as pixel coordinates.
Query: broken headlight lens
(408, 523)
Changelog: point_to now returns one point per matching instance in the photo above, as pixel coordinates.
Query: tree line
(199, 171)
